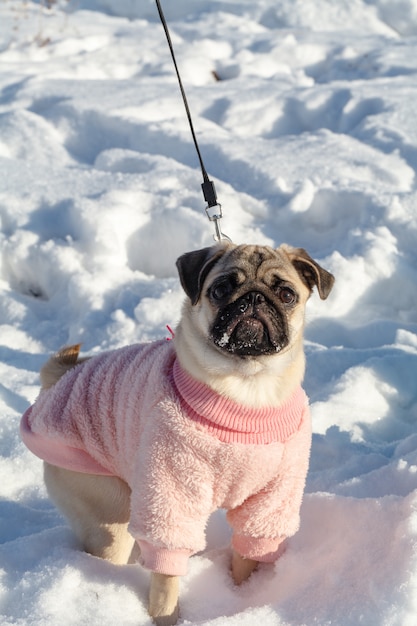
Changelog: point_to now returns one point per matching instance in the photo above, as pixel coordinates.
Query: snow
(311, 138)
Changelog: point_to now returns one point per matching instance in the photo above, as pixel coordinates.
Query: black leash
(213, 209)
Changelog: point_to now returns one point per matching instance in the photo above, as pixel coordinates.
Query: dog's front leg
(242, 568)
(163, 599)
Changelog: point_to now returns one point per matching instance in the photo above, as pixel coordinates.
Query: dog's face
(250, 299)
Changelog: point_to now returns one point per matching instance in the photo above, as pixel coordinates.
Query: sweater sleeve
(265, 519)
(171, 502)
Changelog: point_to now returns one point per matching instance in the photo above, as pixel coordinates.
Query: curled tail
(68, 355)
(58, 364)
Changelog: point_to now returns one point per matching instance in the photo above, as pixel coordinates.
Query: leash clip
(214, 213)
(213, 208)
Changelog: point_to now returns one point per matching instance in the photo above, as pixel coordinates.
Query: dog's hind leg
(97, 508)
(98, 511)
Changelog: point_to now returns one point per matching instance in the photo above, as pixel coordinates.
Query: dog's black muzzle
(252, 325)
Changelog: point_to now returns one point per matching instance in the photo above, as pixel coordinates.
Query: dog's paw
(242, 568)
(166, 620)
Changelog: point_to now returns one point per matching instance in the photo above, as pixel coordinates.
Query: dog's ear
(310, 271)
(193, 268)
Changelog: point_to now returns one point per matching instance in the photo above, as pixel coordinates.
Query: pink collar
(231, 422)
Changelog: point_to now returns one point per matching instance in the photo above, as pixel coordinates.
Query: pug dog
(143, 443)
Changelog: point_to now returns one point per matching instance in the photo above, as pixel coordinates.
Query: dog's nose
(252, 298)
(258, 298)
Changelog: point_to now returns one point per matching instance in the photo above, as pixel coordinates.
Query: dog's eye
(221, 290)
(286, 295)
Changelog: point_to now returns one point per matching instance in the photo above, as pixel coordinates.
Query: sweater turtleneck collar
(232, 422)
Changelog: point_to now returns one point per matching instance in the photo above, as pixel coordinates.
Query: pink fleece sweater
(183, 450)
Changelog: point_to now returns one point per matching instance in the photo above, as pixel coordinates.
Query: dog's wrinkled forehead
(251, 262)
